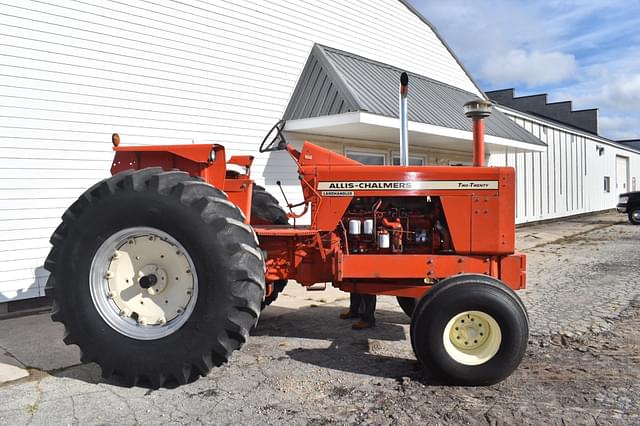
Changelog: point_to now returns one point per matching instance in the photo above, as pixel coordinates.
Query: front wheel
(470, 331)
(634, 216)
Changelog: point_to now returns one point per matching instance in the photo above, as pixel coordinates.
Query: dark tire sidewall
(265, 209)
(407, 304)
(183, 223)
(432, 318)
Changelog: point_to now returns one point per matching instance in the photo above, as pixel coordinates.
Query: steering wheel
(279, 138)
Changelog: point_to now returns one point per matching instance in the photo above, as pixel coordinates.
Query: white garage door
(622, 174)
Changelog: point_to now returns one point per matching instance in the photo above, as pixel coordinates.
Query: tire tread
(245, 263)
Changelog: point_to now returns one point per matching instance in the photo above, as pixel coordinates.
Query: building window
(367, 158)
(413, 161)
(607, 184)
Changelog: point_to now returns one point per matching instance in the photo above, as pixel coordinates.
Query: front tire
(634, 216)
(469, 330)
(155, 276)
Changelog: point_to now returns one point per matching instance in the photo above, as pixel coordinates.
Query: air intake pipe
(478, 110)
(404, 120)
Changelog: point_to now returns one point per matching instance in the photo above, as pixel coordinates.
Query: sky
(586, 51)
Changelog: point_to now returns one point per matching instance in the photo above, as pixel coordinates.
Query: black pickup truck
(629, 203)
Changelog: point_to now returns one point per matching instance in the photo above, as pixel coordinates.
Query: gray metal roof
(335, 82)
(631, 143)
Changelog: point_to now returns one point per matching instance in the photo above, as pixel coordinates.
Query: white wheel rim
(472, 337)
(143, 283)
(636, 215)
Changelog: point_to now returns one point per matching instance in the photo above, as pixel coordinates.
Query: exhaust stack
(478, 110)
(404, 120)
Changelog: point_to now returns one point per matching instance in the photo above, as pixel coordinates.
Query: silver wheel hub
(143, 283)
(636, 215)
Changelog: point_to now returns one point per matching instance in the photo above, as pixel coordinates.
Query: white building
(157, 72)
(579, 172)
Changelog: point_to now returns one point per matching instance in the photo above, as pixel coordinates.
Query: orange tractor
(160, 271)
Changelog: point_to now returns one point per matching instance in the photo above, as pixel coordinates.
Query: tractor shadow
(322, 322)
(382, 351)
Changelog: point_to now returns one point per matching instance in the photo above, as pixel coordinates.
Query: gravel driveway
(306, 366)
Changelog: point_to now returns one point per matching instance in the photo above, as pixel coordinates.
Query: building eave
(372, 127)
(335, 82)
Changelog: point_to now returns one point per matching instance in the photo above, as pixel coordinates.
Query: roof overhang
(373, 127)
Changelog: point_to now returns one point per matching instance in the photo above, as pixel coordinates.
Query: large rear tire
(265, 209)
(470, 330)
(155, 276)
(278, 287)
(407, 304)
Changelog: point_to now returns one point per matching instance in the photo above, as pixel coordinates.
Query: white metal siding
(73, 72)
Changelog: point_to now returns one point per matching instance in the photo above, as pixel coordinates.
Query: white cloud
(623, 93)
(530, 68)
(476, 31)
(620, 127)
(579, 50)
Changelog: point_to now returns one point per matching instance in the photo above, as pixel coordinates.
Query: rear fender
(206, 161)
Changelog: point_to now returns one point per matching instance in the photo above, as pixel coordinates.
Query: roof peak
(336, 82)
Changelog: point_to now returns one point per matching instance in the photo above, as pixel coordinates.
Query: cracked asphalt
(303, 365)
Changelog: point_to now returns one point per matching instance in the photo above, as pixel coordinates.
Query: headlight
(623, 200)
